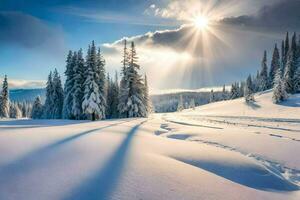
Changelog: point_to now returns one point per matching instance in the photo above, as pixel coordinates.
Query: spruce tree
(91, 104)
(37, 109)
(282, 64)
(136, 107)
(112, 97)
(288, 74)
(286, 48)
(249, 90)
(296, 81)
(57, 96)
(124, 84)
(275, 65)
(4, 99)
(279, 92)
(48, 106)
(77, 94)
(69, 83)
(100, 74)
(264, 73)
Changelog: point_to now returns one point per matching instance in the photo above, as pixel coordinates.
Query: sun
(201, 22)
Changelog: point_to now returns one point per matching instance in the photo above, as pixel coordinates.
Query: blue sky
(36, 35)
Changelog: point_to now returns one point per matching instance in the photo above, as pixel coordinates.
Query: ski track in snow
(238, 124)
(292, 175)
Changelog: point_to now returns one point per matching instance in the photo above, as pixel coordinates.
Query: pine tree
(112, 97)
(77, 90)
(180, 106)
(100, 74)
(288, 74)
(136, 107)
(49, 99)
(296, 81)
(282, 57)
(14, 111)
(249, 90)
(124, 84)
(264, 73)
(4, 99)
(91, 104)
(275, 64)
(69, 83)
(279, 93)
(224, 93)
(57, 96)
(37, 109)
(286, 48)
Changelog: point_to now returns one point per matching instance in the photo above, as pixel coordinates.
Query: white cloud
(24, 84)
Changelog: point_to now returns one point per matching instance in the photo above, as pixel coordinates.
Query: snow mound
(261, 107)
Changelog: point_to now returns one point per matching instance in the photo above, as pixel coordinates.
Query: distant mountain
(26, 94)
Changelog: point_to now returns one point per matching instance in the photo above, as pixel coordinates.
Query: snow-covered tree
(288, 74)
(77, 89)
(100, 76)
(57, 96)
(37, 109)
(282, 64)
(275, 65)
(234, 92)
(14, 111)
(286, 48)
(48, 106)
(135, 104)
(296, 81)
(180, 105)
(71, 62)
(124, 84)
(91, 104)
(263, 76)
(249, 90)
(4, 99)
(279, 92)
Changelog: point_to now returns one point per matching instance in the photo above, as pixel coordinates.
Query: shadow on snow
(102, 185)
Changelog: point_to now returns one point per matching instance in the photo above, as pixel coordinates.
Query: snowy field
(225, 150)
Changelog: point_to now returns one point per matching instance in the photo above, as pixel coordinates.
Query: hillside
(26, 94)
(262, 107)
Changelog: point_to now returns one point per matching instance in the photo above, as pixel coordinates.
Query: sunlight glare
(201, 22)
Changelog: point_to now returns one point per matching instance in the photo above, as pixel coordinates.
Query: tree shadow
(102, 185)
(251, 176)
(253, 105)
(33, 159)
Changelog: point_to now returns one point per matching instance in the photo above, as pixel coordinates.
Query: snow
(224, 150)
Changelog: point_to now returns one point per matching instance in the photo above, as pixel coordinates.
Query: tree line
(283, 75)
(90, 93)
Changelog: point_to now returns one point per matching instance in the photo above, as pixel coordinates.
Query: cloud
(187, 58)
(278, 16)
(29, 32)
(25, 84)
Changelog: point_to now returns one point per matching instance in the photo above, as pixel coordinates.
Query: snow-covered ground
(225, 150)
